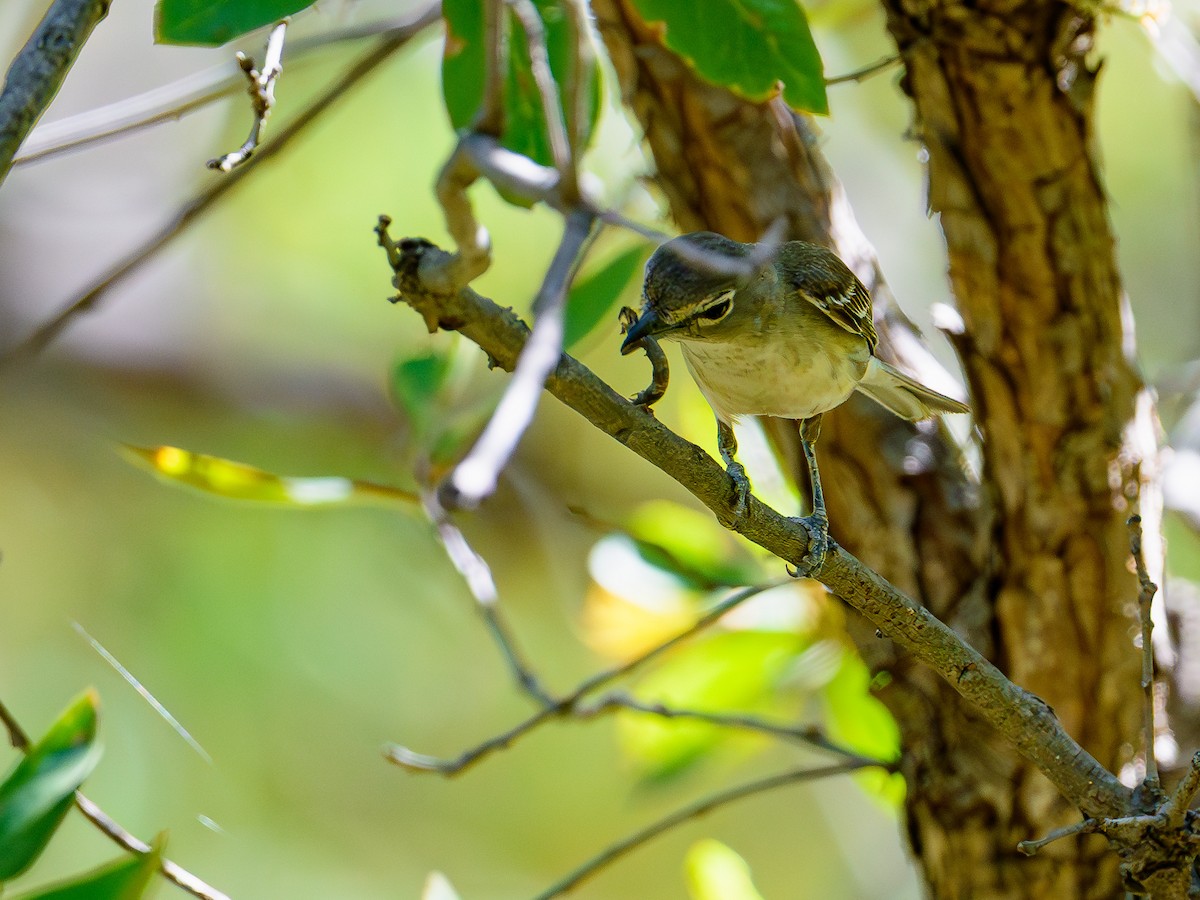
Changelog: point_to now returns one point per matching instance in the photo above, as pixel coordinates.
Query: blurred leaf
(417, 383)
(860, 722)
(593, 298)
(37, 794)
(733, 672)
(211, 23)
(239, 481)
(692, 546)
(127, 878)
(716, 872)
(438, 887)
(620, 628)
(463, 75)
(748, 46)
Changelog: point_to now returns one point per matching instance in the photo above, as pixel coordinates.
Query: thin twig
(1087, 826)
(579, 87)
(411, 760)
(39, 69)
(478, 576)
(490, 118)
(866, 71)
(1175, 809)
(171, 871)
(615, 851)
(475, 478)
(216, 191)
(173, 101)
(810, 735)
(1146, 591)
(539, 65)
(262, 96)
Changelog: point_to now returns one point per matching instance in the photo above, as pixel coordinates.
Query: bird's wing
(825, 281)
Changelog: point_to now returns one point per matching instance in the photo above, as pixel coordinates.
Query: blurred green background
(293, 644)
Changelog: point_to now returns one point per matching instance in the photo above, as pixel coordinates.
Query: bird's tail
(902, 395)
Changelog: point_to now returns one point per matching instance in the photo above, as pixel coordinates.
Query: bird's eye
(720, 309)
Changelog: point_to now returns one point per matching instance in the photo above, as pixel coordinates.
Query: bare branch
(615, 851)
(478, 576)
(173, 101)
(1175, 809)
(866, 71)
(1027, 722)
(474, 479)
(1152, 784)
(1087, 826)
(490, 118)
(567, 705)
(561, 150)
(809, 735)
(98, 817)
(262, 96)
(39, 69)
(579, 81)
(210, 196)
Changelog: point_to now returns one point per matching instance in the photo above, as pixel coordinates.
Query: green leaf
(463, 65)
(417, 383)
(36, 795)
(748, 46)
(716, 872)
(732, 672)
(211, 23)
(127, 878)
(593, 298)
(859, 721)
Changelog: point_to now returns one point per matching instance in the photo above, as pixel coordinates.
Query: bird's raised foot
(819, 545)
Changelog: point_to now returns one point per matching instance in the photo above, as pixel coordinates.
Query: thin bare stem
(490, 118)
(866, 71)
(1175, 809)
(809, 735)
(556, 129)
(408, 759)
(215, 192)
(1087, 826)
(173, 101)
(579, 86)
(174, 873)
(478, 576)
(39, 69)
(1146, 591)
(262, 96)
(615, 851)
(475, 478)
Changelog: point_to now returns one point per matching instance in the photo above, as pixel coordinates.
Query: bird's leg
(727, 445)
(816, 523)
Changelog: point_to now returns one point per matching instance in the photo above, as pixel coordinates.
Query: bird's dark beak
(648, 324)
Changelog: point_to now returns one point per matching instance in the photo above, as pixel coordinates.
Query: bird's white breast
(794, 377)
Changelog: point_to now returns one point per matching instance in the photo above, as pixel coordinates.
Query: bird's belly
(792, 380)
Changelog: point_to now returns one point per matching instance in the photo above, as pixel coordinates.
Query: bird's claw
(819, 545)
(741, 490)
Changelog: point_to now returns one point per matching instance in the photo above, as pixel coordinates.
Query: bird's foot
(819, 545)
(741, 492)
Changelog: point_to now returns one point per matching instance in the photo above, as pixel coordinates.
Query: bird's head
(691, 287)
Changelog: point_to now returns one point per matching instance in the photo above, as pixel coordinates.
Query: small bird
(788, 335)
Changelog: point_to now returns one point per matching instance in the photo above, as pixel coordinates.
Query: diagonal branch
(1027, 722)
(39, 70)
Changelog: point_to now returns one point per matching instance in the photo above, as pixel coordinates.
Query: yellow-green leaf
(716, 872)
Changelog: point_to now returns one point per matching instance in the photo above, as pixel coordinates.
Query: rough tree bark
(1032, 567)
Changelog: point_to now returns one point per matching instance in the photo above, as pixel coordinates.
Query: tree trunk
(1031, 565)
